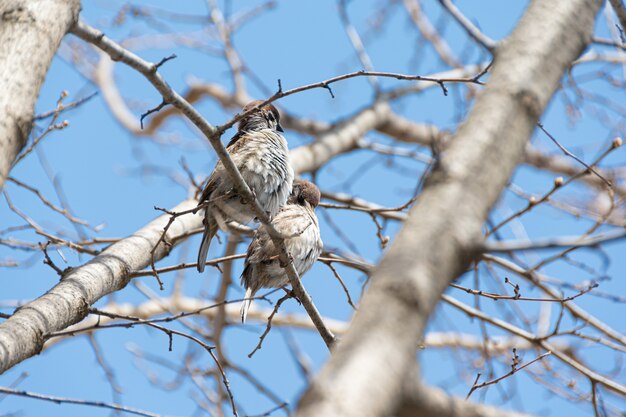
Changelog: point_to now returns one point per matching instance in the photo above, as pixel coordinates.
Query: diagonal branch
(443, 231)
(421, 400)
(64, 400)
(469, 27)
(574, 363)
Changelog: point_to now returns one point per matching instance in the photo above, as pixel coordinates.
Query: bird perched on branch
(298, 222)
(260, 153)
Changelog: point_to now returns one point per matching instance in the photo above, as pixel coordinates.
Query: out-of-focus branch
(555, 242)
(103, 77)
(357, 43)
(428, 31)
(209, 310)
(231, 55)
(469, 27)
(405, 130)
(30, 34)
(562, 165)
(341, 139)
(446, 220)
(198, 307)
(420, 400)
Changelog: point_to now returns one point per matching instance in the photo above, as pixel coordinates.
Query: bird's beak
(279, 128)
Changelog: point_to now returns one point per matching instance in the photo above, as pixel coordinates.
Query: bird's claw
(294, 296)
(284, 264)
(244, 200)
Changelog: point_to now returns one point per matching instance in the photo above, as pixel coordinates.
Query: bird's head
(266, 117)
(304, 192)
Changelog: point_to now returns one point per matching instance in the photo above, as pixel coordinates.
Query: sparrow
(297, 221)
(261, 154)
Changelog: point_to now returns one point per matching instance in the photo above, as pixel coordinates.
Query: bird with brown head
(261, 154)
(298, 223)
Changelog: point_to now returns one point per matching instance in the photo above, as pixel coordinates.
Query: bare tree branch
(64, 400)
(469, 27)
(574, 363)
(30, 34)
(22, 335)
(556, 242)
(425, 401)
(405, 130)
(445, 223)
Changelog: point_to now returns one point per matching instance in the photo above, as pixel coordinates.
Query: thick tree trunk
(368, 368)
(30, 34)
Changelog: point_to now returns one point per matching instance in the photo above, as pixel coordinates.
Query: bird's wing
(216, 177)
(261, 248)
(235, 138)
(210, 186)
(292, 221)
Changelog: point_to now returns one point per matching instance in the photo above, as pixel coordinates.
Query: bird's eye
(270, 117)
(301, 199)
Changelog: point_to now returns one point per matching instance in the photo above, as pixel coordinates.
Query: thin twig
(571, 155)
(514, 369)
(65, 107)
(329, 263)
(269, 322)
(518, 297)
(469, 27)
(64, 400)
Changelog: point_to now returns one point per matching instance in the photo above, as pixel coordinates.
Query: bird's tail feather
(245, 306)
(210, 228)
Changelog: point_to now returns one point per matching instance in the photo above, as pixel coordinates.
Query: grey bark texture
(368, 368)
(23, 334)
(30, 34)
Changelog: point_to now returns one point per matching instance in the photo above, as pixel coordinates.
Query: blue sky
(113, 179)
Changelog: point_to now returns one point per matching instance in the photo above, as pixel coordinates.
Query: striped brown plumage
(298, 221)
(260, 153)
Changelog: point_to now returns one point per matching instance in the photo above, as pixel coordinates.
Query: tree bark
(23, 334)
(365, 375)
(30, 34)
